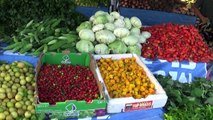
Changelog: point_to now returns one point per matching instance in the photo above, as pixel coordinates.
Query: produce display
(15, 14)
(176, 6)
(35, 38)
(17, 85)
(67, 85)
(196, 98)
(125, 78)
(111, 33)
(176, 42)
(58, 83)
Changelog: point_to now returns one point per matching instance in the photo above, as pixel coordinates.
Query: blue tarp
(151, 114)
(148, 17)
(12, 58)
(183, 71)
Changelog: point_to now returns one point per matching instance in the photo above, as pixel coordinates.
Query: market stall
(144, 62)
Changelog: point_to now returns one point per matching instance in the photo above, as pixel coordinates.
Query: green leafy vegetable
(118, 47)
(85, 46)
(16, 13)
(186, 101)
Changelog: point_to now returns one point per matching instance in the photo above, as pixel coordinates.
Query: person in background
(204, 11)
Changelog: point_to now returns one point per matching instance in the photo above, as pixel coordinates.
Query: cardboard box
(69, 108)
(116, 105)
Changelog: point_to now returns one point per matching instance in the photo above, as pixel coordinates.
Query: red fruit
(66, 82)
(176, 42)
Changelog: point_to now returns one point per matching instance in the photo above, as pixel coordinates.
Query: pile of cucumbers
(35, 38)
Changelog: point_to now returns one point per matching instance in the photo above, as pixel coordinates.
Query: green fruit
(33, 84)
(27, 114)
(14, 63)
(9, 117)
(14, 91)
(20, 90)
(7, 78)
(2, 116)
(30, 107)
(30, 70)
(24, 107)
(28, 103)
(3, 74)
(12, 73)
(18, 105)
(17, 74)
(2, 68)
(22, 82)
(1, 109)
(14, 87)
(16, 70)
(18, 97)
(28, 79)
(1, 79)
(13, 100)
(10, 95)
(32, 99)
(2, 90)
(20, 65)
(2, 96)
(14, 114)
(3, 104)
(8, 90)
(30, 92)
(33, 111)
(7, 67)
(4, 86)
(6, 100)
(25, 69)
(21, 71)
(10, 104)
(20, 112)
(12, 109)
(6, 113)
(33, 117)
(22, 77)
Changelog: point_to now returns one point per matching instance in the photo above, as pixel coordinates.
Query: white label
(66, 60)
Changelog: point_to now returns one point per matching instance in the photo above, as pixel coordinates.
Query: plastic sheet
(148, 17)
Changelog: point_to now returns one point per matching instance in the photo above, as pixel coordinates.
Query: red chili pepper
(176, 42)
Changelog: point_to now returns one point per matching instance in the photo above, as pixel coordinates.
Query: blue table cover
(148, 17)
(151, 114)
(183, 71)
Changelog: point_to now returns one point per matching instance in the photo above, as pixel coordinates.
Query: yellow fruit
(125, 78)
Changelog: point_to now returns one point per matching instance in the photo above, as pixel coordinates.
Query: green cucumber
(57, 45)
(45, 48)
(47, 39)
(26, 48)
(10, 47)
(35, 53)
(29, 24)
(17, 48)
(40, 48)
(15, 39)
(68, 46)
(52, 42)
(56, 23)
